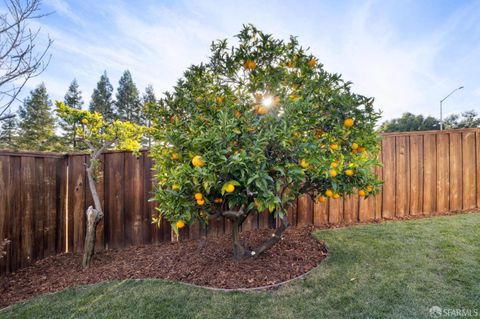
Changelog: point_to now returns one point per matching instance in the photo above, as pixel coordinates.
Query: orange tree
(253, 128)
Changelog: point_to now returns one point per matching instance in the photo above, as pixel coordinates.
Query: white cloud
(404, 73)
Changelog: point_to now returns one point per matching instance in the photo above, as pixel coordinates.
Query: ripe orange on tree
(348, 123)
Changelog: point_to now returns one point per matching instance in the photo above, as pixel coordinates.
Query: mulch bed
(202, 262)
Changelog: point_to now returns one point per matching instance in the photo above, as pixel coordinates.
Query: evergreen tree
(149, 102)
(7, 133)
(73, 98)
(37, 124)
(102, 98)
(128, 104)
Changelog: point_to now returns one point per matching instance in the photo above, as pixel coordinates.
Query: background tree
(7, 133)
(101, 101)
(149, 102)
(36, 123)
(73, 98)
(467, 119)
(128, 104)
(255, 127)
(20, 56)
(410, 122)
(99, 135)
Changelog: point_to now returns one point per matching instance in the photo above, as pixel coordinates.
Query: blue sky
(406, 54)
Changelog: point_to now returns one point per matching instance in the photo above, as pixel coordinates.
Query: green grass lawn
(391, 270)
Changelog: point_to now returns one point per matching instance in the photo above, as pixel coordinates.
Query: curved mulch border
(203, 263)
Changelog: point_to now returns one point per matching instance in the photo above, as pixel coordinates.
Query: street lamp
(441, 102)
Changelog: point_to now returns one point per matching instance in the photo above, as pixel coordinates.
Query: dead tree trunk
(94, 215)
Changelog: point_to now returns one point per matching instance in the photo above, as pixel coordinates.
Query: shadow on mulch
(201, 262)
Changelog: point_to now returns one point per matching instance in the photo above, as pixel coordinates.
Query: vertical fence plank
(469, 173)
(16, 212)
(379, 195)
(39, 208)
(305, 210)
(389, 171)
(455, 172)
(320, 213)
(76, 200)
(292, 214)
(477, 142)
(133, 199)
(350, 209)
(429, 174)
(50, 221)
(61, 182)
(443, 173)
(335, 211)
(28, 209)
(114, 200)
(5, 219)
(148, 206)
(402, 188)
(416, 174)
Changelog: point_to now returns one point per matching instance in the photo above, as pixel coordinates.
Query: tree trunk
(276, 237)
(238, 250)
(94, 215)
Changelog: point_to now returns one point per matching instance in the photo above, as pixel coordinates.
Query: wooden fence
(43, 197)
(32, 210)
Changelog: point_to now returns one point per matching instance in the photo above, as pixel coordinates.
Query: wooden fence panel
(30, 207)
(43, 212)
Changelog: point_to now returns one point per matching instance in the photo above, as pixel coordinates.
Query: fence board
(16, 212)
(477, 139)
(320, 213)
(350, 209)
(114, 200)
(61, 205)
(28, 209)
(305, 204)
(402, 189)
(429, 174)
(50, 213)
(469, 172)
(455, 171)
(76, 202)
(443, 173)
(5, 219)
(389, 180)
(416, 174)
(335, 211)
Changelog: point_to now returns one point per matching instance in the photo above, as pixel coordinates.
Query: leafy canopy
(256, 126)
(100, 134)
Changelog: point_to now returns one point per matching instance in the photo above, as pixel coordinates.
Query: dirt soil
(207, 262)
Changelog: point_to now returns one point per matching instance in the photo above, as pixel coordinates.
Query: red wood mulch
(203, 262)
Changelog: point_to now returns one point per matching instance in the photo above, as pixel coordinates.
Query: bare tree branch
(20, 60)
